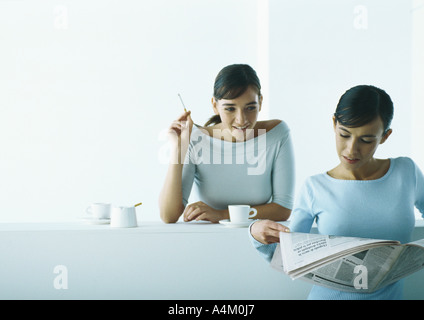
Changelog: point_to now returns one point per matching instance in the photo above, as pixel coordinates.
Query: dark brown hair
(362, 104)
(231, 82)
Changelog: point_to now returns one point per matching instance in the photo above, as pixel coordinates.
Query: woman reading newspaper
(362, 196)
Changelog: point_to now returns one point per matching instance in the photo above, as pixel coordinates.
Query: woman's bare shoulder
(268, 124)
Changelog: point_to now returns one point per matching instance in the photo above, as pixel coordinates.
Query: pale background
(88, 88)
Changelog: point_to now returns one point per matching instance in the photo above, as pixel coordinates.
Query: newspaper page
(411, 260)
(300, 250)
(360, 272)
(345, 263)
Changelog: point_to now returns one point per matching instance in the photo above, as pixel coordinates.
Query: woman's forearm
(272, 211)
(170, 199)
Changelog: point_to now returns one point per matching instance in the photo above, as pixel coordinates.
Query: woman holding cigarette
(233, 159)
(362, 196)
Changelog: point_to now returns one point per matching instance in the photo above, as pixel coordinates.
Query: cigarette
(181, 99)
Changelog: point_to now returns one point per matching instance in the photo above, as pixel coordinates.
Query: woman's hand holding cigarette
(179, 134)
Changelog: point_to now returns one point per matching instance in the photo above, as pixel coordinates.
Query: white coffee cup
(241, 213)
(123, 217)
(99, 210)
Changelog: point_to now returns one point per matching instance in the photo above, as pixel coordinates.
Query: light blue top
(378, 209)
(253, 172)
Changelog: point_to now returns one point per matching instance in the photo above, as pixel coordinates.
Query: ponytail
(213, 120)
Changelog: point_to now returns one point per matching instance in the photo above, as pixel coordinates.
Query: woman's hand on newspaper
(267, 231)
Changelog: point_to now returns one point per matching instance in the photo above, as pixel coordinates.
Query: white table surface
(152, 261)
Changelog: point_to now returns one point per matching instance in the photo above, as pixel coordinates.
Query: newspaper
(346, 263)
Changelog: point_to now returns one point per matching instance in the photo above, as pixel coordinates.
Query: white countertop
(143, 226)
(195, 260)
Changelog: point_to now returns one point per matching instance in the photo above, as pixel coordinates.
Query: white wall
(418, 81)
(322, 48)
(88, 87)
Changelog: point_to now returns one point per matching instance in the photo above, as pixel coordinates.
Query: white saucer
(91, 220)
(228, 223)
